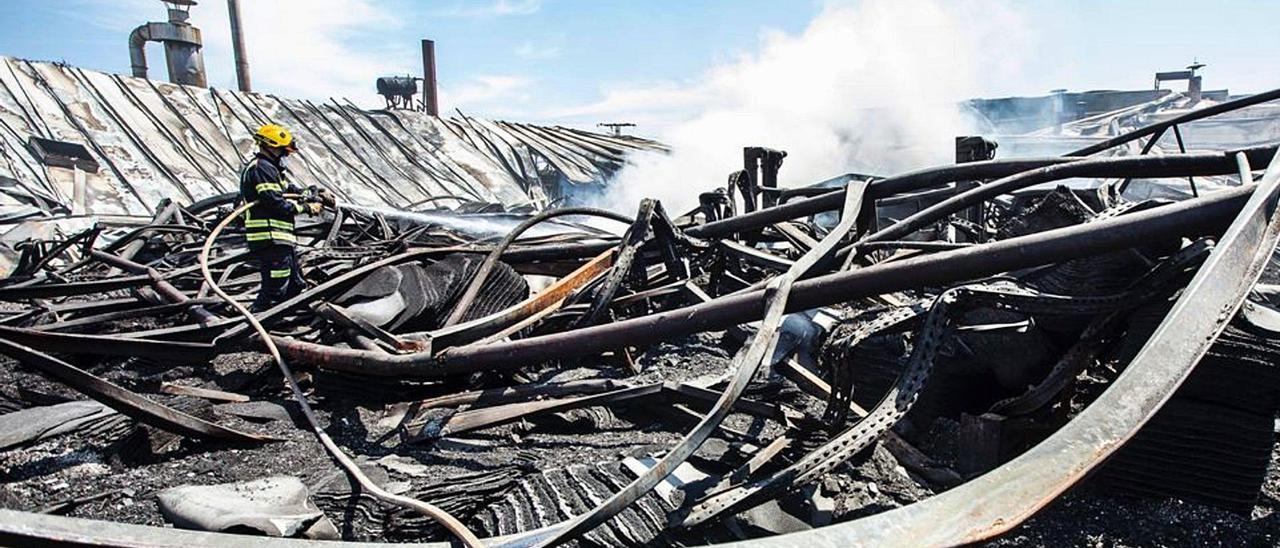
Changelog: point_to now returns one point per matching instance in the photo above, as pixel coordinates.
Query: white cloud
(868, 87)
(297, 48)
(655, 105)
(494, 8)
(536, 52)
(116, 15)
(307, 48)
(489, 95)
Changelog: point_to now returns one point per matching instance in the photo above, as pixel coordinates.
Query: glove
(314, 208)
(327, 198)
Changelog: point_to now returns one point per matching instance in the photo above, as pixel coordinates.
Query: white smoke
(870, 88)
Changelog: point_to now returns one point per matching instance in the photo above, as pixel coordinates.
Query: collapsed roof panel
(157, 140)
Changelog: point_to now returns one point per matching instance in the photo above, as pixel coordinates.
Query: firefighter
(268, 225)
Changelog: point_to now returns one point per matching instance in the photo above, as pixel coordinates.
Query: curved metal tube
(747, 362)
(1189, 218)
(138, 50)
(1003, 498)
(1220, 163)
(998, 500)
(491, 261)
(350, 467)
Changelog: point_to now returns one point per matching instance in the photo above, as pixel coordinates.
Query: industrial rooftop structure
(150, 140)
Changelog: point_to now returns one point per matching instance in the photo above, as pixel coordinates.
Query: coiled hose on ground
(440, 516)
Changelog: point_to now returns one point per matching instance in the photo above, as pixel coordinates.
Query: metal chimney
(181, 45)
(237, 46)
(430, 103)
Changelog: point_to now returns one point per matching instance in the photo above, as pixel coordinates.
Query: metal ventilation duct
(182, 46)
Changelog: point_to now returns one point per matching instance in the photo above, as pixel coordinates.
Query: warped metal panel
(158, 140)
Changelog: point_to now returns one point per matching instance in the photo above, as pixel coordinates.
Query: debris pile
(954, 346)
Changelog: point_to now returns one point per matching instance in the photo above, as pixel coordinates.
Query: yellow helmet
(275, 136)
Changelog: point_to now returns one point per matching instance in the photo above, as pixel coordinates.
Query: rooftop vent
(62, 154)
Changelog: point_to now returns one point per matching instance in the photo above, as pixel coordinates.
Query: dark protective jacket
(270, 221)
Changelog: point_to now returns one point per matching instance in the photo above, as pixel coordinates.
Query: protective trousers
(281, 276)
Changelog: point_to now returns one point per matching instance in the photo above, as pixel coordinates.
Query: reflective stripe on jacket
(270, 221)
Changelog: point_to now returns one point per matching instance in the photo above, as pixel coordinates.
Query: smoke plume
(870, 87)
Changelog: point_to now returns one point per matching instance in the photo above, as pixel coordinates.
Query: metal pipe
(908, 182)
(164, 288)
(1220, 163)
(998, 501)
(138, 50)
(237, 46)
(1189, 218)
(430, 99)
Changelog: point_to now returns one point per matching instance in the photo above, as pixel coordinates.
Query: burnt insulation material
(446, 280)
(546, 498)
(1055, 209)
(418, 297)
(1212, 441)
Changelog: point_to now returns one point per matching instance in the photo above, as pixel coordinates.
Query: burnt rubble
(919, 359)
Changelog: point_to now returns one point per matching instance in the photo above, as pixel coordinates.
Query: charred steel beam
(635, 237)
(491, 261)
(110, 345)
(999, 500)
(18, 293)
(164, 288)
(549, 299)
(70, 289)
(127, 403)
(1217, 163)
(134, 312)
(909, 182)
(1189, 218)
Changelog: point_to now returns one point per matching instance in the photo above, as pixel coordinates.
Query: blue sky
(652, 61)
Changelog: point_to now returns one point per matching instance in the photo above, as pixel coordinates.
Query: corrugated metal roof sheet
(157, 140)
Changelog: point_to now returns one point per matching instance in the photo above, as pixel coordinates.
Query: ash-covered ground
(114, 472)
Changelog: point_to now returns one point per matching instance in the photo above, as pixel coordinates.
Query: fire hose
(440, 516)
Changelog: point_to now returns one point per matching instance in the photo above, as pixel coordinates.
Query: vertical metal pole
(237, 46)
(1183, 149)
(429, 101)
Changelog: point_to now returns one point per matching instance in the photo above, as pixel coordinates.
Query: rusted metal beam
(1197, 217)
(998, 501)
(128, 403)
(1189, 218)
(1218, 163)
(110, 345)
(545, 301)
